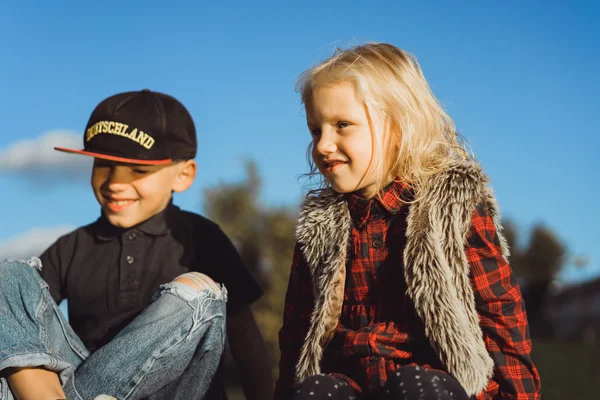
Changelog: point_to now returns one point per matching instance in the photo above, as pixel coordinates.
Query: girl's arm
(502, 314)
(296, 317)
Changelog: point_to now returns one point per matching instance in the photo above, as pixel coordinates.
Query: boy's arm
(250, 353)
(51, 269)
(502, 313)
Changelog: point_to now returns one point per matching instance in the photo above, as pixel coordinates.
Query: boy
(143, 144)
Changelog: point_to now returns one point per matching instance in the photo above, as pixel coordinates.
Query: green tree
(545, 255)
(542, 257)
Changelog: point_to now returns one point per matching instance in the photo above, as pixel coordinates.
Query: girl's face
(342, 139)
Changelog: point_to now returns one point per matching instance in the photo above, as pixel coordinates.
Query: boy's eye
(342, 125)
(101, 165)
(140, 171)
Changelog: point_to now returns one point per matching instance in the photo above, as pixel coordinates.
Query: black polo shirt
(109, 274)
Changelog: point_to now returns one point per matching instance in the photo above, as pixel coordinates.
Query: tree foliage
(541, 259)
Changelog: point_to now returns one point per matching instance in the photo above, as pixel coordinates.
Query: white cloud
(38, 155)
(32, 242)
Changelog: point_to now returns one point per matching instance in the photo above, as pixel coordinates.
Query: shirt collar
(391, 199)
(157, 225)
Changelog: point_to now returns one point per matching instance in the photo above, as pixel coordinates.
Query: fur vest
(435, 269)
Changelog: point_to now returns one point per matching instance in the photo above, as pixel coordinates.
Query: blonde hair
(421, 139)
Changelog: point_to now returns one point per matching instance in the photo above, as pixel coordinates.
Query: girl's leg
(184, 326)
(324, 387)
(419, 383)
(39, 351)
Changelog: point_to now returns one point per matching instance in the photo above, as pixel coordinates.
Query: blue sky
(520, 80)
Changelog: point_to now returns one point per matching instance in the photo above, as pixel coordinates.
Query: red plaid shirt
(379, 330)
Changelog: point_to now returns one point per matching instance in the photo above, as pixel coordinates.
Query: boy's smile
(118, 205)
(129, 194)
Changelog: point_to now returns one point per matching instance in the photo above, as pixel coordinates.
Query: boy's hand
(35, 384)
(250, 354)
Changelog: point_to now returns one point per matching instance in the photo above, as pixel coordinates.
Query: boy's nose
(117, 176)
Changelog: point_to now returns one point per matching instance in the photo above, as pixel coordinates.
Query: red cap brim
(114, 158)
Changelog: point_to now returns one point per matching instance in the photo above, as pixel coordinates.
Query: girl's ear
(393, 133)
(186, 173)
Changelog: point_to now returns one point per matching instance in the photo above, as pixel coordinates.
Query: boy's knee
(33, 262)
(198, 281)
(20, 273)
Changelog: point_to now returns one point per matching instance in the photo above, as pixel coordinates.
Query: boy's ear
(186, 173)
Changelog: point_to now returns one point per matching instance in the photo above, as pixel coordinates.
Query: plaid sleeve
(296, 318)
(502, 314)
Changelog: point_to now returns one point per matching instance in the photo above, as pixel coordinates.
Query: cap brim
(114, 158)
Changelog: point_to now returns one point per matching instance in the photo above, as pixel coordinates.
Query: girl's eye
(140, 171)
(315, 132)
(342, 125)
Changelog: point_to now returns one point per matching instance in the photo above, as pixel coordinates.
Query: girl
(399, 285)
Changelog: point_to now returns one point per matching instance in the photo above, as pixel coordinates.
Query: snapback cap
(142, 127)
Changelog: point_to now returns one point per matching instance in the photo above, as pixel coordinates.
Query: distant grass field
(569, 371)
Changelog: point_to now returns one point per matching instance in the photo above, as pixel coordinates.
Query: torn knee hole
(199, 282)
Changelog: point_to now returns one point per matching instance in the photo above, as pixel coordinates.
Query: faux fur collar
(436, 270)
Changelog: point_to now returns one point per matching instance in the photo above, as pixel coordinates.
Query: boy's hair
(422, 138)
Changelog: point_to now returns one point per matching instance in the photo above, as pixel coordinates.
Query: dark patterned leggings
(407, 383)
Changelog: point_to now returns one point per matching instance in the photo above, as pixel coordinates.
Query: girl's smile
(333, 165)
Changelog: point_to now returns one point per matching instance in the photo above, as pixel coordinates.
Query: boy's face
(342, 140)
(131, 193)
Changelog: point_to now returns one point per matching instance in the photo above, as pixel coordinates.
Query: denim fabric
(172, 350)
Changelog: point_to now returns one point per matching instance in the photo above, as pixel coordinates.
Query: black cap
(142, 127)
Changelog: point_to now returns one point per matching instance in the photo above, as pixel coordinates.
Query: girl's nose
(325, 144)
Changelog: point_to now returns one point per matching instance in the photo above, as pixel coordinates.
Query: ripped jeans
(172, 350)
